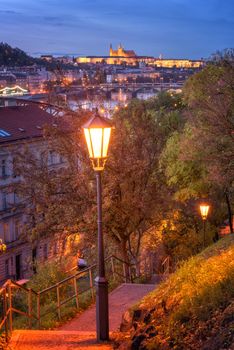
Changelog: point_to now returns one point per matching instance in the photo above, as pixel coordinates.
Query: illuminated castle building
(129, 57)
(120, 52)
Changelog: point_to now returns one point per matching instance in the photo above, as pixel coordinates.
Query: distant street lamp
(204, 209)
(97, 133)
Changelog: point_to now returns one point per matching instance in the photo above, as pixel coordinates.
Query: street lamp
(97, 134)
(204, 209)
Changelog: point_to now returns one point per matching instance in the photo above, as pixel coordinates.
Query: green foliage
(199, 291)
(188, 177)
(182, 234)
(198, 160)
(13, 56)
(48, 274)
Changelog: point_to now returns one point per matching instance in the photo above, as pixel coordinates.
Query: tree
(135, 193)
(210, 98)
(64, 200)
(198, 162)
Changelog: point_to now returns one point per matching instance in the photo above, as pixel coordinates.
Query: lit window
(6, 232)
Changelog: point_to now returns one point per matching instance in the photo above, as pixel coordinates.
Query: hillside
(10, 56)
(193, 309)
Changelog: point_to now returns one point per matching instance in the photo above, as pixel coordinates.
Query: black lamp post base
(102, 314)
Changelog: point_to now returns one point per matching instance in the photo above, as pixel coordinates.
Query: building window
(15, 170)
(7, 268)
(16, 198)
(6, 232)
(3, 168)
(16, 229)
(55, 248)
(4, 201)
(45, 252)
(54, 158)
(64, 245)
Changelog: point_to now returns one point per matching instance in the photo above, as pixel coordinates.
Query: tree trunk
(125, 258)
(229, 211)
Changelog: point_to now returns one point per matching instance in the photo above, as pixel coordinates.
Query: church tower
(120, 50)
(111, 50)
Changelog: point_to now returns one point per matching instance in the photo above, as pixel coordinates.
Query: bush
(191, 305)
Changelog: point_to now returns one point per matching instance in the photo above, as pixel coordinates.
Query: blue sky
(174, 28)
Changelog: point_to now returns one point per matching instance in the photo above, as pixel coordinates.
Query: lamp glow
(97, 134)
(204, 209)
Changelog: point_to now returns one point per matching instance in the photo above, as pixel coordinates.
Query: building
(121, 52)
(22, 126)
(116, 57)
(121, 56)
(176, 63)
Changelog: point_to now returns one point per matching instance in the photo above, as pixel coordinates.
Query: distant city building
(48, 58)
(129, 57)
(120, 52)
(119, 56)
(20, 127)
(13, 91)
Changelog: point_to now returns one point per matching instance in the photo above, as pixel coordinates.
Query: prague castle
(120, 52)
(129, 57)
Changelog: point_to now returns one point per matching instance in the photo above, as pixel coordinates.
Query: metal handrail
(6, 293)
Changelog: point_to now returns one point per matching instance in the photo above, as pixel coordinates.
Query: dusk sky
(174, 28)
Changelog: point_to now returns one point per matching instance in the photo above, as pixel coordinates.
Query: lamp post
(204, 209)
(97, 134)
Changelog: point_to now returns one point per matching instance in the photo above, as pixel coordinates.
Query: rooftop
(23, 122)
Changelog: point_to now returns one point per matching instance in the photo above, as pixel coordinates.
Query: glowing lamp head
(204, 209)
(97, 134)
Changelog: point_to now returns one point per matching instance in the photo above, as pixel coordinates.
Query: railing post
(130, 274)
(5, 314)
(10, 306)
(76, 293)
(38, 311)
(113, 268)
(124, 272)
(91, 284)
(151, 265)
(58, 301)
(30, 308)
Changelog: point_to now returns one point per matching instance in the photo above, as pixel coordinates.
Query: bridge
(133, 87)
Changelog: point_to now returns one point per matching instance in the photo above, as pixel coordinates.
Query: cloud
(185, 27)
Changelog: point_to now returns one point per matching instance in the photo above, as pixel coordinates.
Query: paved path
(55, 340)
(79, 333)
(120, 300)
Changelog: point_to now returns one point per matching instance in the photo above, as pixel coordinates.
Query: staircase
(80, 332)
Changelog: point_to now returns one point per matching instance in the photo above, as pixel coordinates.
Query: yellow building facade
(129, 57)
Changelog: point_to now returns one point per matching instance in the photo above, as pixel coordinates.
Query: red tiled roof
(23, 122)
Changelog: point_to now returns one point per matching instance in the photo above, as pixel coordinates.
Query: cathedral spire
(111, 51)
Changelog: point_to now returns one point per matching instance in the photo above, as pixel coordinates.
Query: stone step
(53, 340)
(79, 333)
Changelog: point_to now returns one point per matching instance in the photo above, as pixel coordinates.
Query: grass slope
(194, 308)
